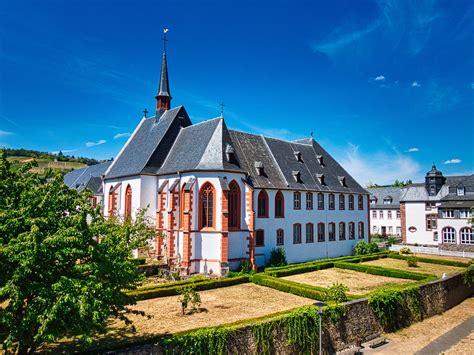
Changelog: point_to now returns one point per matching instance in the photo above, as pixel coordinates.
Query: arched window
(342, 231)
(466, 235)
(331, 232)
(296, 200)
(351, 202)
(361, 202)
(309, 233)
(279, 205)
(280, 237)
(309, 200)
(342, 202)
(207, 203)
(234, 205)
(351, 230)
(112, 201)
(449, 235)
(361, 230)
(331, 201)
(262, 204)
(181, 207)
(321, 232)
(128, 202)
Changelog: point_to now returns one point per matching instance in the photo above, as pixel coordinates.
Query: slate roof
(164, 86)
(148, 146)
(380, 193)
(280, 164)
(89, 177)
(417, 191)
(201, 146)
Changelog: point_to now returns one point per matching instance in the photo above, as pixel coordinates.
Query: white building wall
(456, 223)
(376, 223)
(416, 232)
(308, 251)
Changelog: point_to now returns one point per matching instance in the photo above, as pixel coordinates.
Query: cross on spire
(145, 112)
(222, 108)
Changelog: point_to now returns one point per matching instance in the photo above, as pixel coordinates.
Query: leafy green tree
(63, 266)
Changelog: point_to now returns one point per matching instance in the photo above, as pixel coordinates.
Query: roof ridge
(205, 121)
(267, 137)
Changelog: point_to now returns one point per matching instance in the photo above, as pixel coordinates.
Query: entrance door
(384, 231)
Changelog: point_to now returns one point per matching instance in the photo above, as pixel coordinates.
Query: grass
(358, 282)
(45, 163)
(427, 268)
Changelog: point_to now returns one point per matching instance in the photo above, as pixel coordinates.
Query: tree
(63, 266)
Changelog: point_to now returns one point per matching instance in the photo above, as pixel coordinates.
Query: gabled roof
(89, 177)
(381, 193)
(201, 146)
(148, 146)
(281, 164)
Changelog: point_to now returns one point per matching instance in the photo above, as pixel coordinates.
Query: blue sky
(386, 86)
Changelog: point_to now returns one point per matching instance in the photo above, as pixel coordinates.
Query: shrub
(337, 292)
(138, 261)
(314, 292)
(372, 248)
(468, 276)
(360, 248)
(245, 268)
(391, 240)
(277, 257)
(189, 294)
(412, 261)
(405, 250)
(429, 260)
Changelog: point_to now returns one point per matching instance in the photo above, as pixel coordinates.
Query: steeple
(434, 181)
(163, 97)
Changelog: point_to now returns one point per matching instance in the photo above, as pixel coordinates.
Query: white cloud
(93, 144)
(380, 78)
(412, 150)
(453, 161)
(121, 135)
(5, 133)
(380, 168)
(415, 84)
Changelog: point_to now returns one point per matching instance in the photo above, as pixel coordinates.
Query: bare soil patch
(465, 346)
(417, 336)
(358, 282)
(426, 268)
(444, 257)
(219, 306)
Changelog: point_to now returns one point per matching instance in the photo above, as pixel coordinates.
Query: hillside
(47, 160)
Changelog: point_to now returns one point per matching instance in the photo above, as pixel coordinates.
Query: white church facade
(220, 197)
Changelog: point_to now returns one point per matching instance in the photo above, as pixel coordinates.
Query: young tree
(63, 266)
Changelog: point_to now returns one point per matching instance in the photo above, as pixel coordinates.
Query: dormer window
(320, 159)
(230, 153)
(259, 167)
(320, 178)
(296, 175)
(298, 156)
(373, 200)
(387, 200)
(342, 180)
(461, 191)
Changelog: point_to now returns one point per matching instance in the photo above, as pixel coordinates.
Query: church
(220, 197)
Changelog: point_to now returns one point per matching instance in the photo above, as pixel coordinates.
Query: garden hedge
(163, 291)
(381, 271)
(296, 288)
(430, 260)
(301, 269)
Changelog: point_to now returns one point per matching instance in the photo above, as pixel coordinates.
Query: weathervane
(222, 108)
(165, 31)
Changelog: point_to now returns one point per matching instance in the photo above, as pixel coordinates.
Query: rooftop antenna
(222, 109)
(165, 31)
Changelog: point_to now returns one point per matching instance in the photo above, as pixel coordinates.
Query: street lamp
(320, 306)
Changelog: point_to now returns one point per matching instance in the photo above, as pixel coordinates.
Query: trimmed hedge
(301, 269)
(296, 288)
(138, 261)
(193, 280)
(381, 271)
(430, 260)
(163, 291)
(312, 262)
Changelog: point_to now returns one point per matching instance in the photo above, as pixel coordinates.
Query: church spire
(163, 97)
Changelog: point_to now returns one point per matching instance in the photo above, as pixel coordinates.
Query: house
(385, 211)
(220, 197)
(89, 178)
(437, 212)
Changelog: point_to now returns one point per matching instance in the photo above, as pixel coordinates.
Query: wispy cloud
(5, 133)
(93, 144)
(412, 150)
(9, 120)
(415, 84)
(121, 135)
(453, 161)
(380, 167)
(380, 78)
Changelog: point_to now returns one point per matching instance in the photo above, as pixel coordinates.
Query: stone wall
(359, 323)
(457, 247)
